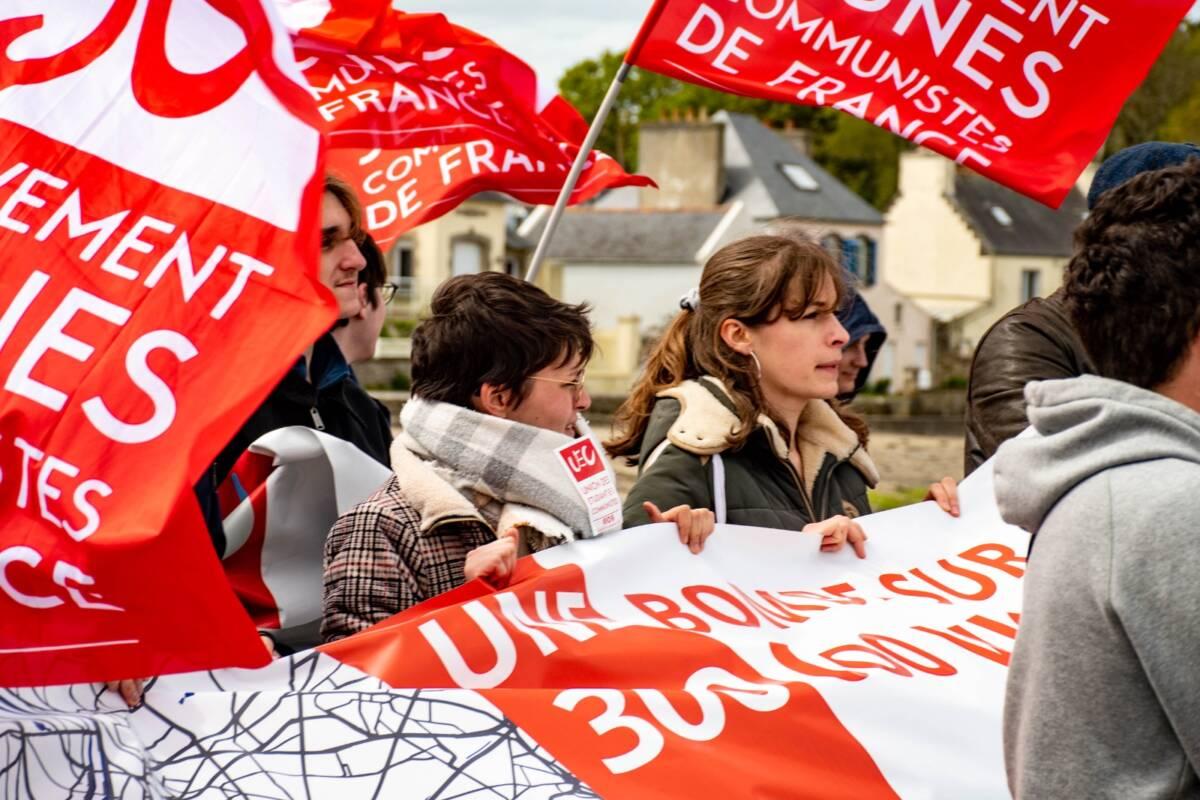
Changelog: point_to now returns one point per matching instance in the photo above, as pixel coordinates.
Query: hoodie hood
(859, 321)
(1085, 426)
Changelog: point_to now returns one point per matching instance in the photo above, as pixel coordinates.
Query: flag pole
(585, 150)
(589, 142)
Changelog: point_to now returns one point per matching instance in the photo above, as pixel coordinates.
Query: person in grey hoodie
(1103, 693)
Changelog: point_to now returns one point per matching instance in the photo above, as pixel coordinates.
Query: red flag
(1022, 91)
(422, 114)
(158, 191)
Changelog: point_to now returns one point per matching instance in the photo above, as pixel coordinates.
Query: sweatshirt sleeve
(1154, 587)
(675, 478)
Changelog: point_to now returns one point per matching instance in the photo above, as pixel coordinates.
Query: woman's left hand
(945, 494)
(695, 524)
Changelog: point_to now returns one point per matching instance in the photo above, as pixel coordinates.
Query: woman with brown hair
(735, 410)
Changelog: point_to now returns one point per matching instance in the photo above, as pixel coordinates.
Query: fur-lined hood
(706, 420)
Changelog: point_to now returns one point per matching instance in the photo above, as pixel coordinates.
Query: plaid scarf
(511, 464)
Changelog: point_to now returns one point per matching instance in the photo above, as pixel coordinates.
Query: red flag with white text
(160, 174)
(422, 114)
(1022, 91)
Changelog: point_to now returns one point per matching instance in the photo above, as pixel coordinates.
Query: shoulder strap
(718, 475)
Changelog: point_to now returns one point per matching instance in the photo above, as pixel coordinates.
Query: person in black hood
(867, 336)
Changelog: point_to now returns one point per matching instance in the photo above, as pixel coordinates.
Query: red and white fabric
(1022, 91)
(619, 666)
(160, 176)
(278, 504)
(422, 114)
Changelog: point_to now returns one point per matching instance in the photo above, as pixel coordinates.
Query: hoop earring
(757, 364)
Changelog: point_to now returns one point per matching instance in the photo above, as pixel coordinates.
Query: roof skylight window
(799, 177)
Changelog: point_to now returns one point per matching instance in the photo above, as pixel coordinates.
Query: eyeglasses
(576, 385)
(387, 291)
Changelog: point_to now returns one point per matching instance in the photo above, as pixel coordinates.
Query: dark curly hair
(1133, 286)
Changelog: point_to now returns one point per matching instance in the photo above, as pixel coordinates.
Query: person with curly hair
(1102, 698)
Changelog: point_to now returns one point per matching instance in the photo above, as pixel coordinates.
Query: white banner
(623, 666)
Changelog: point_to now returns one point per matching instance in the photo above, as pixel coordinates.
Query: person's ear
(363, 305)
(736, 335)
(494, 400)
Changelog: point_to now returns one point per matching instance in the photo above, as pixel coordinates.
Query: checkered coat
(394, 550)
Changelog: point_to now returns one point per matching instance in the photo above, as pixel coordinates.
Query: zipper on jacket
(808, 503)
(318, 423)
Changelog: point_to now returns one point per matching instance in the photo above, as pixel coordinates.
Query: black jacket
(690, 424)
(1033, 342)
(333, 402)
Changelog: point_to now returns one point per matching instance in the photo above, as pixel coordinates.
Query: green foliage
(884, 501)
(649, 97)
(1167, 104)
(953, 382)
(398, 328)
(862, 156)
(400, 382)
(879, 387)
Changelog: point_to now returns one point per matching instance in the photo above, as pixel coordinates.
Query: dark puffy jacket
(333, 402)
(859, 321)
(689, 425)
(1033, 342)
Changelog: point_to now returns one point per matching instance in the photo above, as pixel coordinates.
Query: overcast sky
(552, 34)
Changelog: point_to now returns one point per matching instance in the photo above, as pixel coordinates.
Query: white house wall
(484, 221)
(1006, 271)
(908, 347)
(931, 251)
(650, 291)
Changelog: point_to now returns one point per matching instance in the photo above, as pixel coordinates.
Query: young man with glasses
(498, 386)
(356, 337)
(319, 391)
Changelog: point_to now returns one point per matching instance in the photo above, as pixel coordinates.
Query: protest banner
(159, 181)
(1022, 91)
(278, 504)
(621, 666)
(422, 114)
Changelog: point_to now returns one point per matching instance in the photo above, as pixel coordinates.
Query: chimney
(687, 161)
(924, 173)
(801, 138)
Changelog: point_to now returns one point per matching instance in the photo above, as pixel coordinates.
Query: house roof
(755, 153)
(653, 236)
(1011, 224)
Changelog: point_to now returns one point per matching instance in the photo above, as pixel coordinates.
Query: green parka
(690, 424)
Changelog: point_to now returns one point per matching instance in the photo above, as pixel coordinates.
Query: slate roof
(651, 236)
(758, 154)
(1035, 230)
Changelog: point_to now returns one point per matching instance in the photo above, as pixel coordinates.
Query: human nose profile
(839, 334)
(352, 258)
(858, 354)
